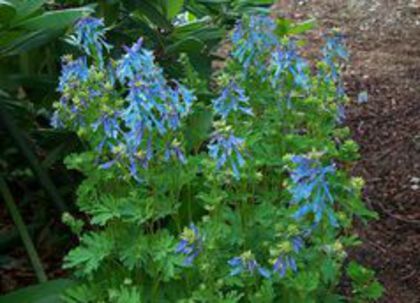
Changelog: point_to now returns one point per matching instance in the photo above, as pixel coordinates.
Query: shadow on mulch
(384, 41)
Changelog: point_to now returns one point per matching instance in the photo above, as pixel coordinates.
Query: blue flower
(310, 189)
(232, 99)
(109, 123)
(225, 147)
(341, 114)
(174, 150)
(73, 73)
(362, 97)
(190, 245)
(89, 35)
(251, 39)
(286, 60)
(134, 121)
(150, 98)
(334, 48)
(283, 262)
(137, 60)
(246, 263)
(286, 256)
(145, 103)
(333, 52)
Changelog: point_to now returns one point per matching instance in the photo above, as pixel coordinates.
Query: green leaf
(48, 292)
(302, 27)
(288, 27)
(152, 14)
(89, 255)
(27, 42)
(186, 45)
(329, 270)
(173, 7)
(374, 291)
(199, 127)
(26, 7)
(7, 11)
(59, 19)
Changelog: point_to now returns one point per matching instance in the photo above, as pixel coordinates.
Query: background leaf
(25, 8)
(54, 20)
(7, 11)
(48, 292)
(173, 7)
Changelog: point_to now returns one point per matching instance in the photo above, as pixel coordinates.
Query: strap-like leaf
(49, 292)
(26, 42)
(173, 8)
(54, 20)
(24, 8)
(7, 11)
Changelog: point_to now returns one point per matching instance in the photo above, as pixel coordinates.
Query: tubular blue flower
(190, 245)
(232, 99)
(182, 99)
(282, 263)
(159, 105)
(174, 150)
(89, 35)
(151, 107)
(333, 52)
(251, 39)
(109, 123)
(136, 60)
(310, 189)
(362, 97)
(73, 72)
(145, 104)
(341, 114)
(285, 59)
(246, 263)
(334, 48)
(224, 147)
(286, 253)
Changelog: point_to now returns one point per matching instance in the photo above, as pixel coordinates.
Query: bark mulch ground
(384, 41)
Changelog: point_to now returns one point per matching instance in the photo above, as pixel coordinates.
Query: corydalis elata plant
(259, 211)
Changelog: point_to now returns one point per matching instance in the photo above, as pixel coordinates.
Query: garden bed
(384, 42)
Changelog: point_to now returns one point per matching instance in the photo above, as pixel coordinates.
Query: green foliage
(25, 25)
(240, 193)
(48, 292)
(365, 287)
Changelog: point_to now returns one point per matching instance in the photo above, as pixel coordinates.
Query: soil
(384, 41)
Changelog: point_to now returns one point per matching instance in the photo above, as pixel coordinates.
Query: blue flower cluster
(246, 263)
(310, 189)
(285, 258)
(232, 99)
(225, 146)
(151, 99)
(134, 105)
(73, 73)
(285, 59)
(251, 38)
(190, 245)
(256, 45)
(333, 52)
(89, 35)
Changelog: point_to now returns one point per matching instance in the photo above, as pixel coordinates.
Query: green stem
(23, 231)
(36, 167)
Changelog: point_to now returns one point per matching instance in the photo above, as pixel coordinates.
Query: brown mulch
(384, 41)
